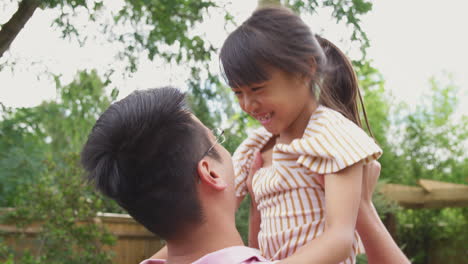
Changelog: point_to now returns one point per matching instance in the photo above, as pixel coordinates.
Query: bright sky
(410, 42)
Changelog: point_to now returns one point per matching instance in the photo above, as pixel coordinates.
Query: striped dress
(290, 200)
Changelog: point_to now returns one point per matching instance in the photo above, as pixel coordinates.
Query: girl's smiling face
(282, 104)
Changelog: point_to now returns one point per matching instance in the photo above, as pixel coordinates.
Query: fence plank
(431, 194)
(134, 242)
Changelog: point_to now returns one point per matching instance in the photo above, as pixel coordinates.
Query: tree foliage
(433, 146)
(32, 135)
(150, 26)
(42, 177)
(163, 28)
(66, 207)
(348, 11)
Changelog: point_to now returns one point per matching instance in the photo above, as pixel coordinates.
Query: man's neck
(202, 241)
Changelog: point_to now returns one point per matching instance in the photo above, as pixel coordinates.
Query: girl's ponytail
(339, 88)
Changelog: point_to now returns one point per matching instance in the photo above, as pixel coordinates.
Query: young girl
(304, 92)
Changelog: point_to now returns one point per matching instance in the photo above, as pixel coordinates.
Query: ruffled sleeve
(331, 143)
(243, 158)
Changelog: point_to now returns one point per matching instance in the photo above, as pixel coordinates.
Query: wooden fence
(430, 194)
(134, 242)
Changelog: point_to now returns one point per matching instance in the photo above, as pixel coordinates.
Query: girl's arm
(342, 197)
(379, 244)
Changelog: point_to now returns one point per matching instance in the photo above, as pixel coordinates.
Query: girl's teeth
(265, 117)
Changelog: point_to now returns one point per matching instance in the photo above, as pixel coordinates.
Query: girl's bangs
(243, 59)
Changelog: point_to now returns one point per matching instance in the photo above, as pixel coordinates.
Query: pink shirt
(230, 255)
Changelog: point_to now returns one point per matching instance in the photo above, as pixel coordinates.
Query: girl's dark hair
(276, 37)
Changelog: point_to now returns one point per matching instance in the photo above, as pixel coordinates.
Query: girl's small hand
(256, 165)
(321, 180)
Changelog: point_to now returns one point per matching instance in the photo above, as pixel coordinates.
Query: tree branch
(11, 28)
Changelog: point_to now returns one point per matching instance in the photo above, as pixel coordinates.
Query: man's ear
(209, 175)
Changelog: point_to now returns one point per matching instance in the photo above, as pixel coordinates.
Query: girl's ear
(306, 79)
(209, 176)
(312, 65)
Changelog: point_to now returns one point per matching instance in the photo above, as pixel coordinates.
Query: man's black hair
(143, 152)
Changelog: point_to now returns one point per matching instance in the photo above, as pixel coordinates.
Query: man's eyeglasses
(220, 139)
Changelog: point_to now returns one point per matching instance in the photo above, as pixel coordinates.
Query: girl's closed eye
(236, 92)
(257, 88)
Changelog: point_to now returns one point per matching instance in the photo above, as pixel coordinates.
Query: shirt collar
(230, 255)
(236, 254)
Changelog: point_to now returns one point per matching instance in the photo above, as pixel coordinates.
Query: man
(170, 172)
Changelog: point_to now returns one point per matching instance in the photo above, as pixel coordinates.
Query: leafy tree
(428, 142)
(32, 135)
(152, 24)
(163, 29)
(66, 206)
(435, 138)
(160, 22)
(433, 146)
(44, 178)
(22, 151)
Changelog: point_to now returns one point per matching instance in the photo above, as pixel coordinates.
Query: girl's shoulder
(244, 155)
(255, 141)
(325, 120)
(331, 142)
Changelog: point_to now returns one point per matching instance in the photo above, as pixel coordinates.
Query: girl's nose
(250, 104)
